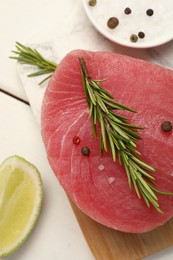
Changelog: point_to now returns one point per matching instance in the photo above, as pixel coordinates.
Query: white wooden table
(57, 235)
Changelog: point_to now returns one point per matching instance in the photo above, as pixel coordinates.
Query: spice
(141, 35)
(166, 126)
(127, 10)
(112, 22)
(149, 12)
(76, 140)
(85, 151)
(92, 2)
(133, 38)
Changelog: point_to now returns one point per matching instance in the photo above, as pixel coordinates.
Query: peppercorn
(166, 126)
(149, 12)
(133, 38)
(76, 140)
(127, 10)
(112, 22)
(141, 35)
(85, 151)
(92, 2)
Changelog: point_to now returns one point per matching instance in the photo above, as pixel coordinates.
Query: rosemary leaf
(116, 142)
(125, 159)
(40, 72)
(91, 108)
(139, 169)
(91, 94)
(120, 131)
(103, 132)
(102, 90)
(45, 79)
(129, 176)
(101, 104)
(146, 199)
(123, 146)
(162, 192)
(134, 178)
(142, 164)
(146, 186)
(112, 146)
(148, 195)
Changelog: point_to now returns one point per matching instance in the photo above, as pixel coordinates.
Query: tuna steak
(97, 185)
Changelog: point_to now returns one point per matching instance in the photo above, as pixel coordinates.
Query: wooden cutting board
(108, 244)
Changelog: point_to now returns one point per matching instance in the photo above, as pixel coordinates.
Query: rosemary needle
(116, 134)
(120, 137)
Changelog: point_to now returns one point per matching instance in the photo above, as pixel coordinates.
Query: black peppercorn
(92, 2)
(166, 126)
(141, 35)
(127, 10)
(112, 22)
(85, 151)
(149, 12)
(133, 38)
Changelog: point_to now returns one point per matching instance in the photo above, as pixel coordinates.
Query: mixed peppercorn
(166, 126)
(92, 2)
(113, 22)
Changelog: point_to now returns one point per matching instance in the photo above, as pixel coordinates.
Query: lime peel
(21, 196)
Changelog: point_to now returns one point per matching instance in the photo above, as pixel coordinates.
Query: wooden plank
(109, 244)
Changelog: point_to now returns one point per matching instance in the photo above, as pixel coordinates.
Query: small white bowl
(157, 27)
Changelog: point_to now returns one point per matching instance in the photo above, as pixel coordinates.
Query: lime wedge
(21, 194)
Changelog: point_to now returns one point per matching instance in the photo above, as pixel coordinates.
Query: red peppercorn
(76, 140)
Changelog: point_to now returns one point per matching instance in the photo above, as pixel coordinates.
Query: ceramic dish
(141, 24)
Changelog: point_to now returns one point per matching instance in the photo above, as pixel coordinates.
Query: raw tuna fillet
(97, 185)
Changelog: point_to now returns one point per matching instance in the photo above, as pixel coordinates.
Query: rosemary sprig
(120, 137)
(27, 55)
(116, 134)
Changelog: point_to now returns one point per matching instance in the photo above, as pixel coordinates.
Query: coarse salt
(101, 167)
(153, 18)
(111, 180)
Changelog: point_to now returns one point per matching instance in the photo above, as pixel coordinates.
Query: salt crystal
(111, 180)
(101, 167)
(172, 173)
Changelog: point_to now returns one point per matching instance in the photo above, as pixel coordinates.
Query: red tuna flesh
(97, 185)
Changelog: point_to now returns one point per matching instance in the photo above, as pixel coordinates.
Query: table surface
(57, 234)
